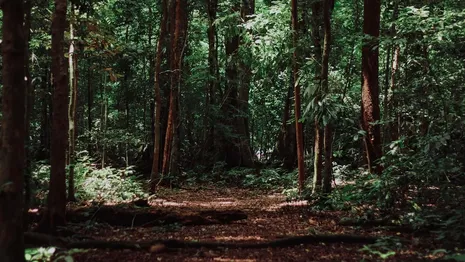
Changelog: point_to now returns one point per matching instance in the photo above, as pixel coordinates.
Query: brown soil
(269, 217)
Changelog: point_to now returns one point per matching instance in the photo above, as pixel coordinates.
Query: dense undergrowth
(417, 188)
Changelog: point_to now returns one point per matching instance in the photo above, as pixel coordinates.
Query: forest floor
(269, 217)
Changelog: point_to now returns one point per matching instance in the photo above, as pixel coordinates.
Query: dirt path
(269, 217)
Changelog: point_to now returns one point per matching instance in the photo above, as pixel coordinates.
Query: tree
(213, 80)
(328, 130)
(297, 109)
(319, 135)
(56, 201)
(157, 118)
(236, 147)
(73, 86)
(370, 85)
(170, 154)
(12, 164)
(29, 103)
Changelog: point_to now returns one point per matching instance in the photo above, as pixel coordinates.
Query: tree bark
(247, 9)
(89, 105)
(286, 144)
(319, 135)
(214, 79)
(170, 163)
(12, 152)
(56, 202)
(318, 158)
(370, 85)
(29, 104)
(73, 81)
(157, 147)
(297, 109)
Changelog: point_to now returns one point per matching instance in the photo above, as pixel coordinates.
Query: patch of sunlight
(162, 202)
(238, 238)
(286, 204)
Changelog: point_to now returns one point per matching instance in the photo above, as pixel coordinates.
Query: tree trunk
(392, 99)
(247, 9)
(286, 145)
(328, 132)
(177, 46)
(157, 118)
(13, 131)
(89, 105)
(29, 105)
(319, 135)
(55, 215)
(214, 78)
(44, 152)
(297, 110)
(72, 106)
(318, 158)
(370, 85)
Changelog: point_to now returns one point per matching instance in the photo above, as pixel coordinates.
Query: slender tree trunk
(104, 119)
(72, 58)
(328, 132)
(214, 78)
(157, 118)
(318, 158)
(319, 135)
(89, 105)
(286, 144)
(297, 110)
(12, 165)
(45, 116)
(370, 85)
(392, 99)
(29, 105)
(395, 126)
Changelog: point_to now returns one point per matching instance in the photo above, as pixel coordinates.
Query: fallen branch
(36, 239)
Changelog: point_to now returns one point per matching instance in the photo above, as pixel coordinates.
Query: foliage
(94, 184)
(383, 248)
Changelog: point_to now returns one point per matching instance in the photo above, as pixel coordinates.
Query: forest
(228, 130)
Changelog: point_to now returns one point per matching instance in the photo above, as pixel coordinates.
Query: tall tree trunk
(392, 53)
(328, 132)
(157, 118)
(13, 131)
(247, 9)
(392, 99)
(104, 119)
(55, 215)
(285, 149)
(170, 163)
(44, 152)
(73, 74)
(370, 85)
(394, 127)
(214, 78)
(319, 135)
(297, 110)
(89, 105)
(29, 104)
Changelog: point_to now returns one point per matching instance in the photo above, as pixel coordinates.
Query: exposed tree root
(35, 239)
